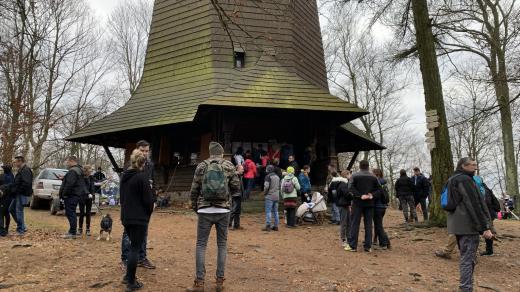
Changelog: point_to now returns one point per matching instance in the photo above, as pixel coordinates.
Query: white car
(47, 182)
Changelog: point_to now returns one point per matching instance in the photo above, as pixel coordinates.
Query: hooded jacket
(136, 198)
(471, 215)
(73, 184)
(404, 187)
(296, 184)
(197, 199)
(272, 184)
(335, 190)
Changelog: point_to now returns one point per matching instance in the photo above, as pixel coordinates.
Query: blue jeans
(126, 244)
(249, 184)
(16, 210)
(271, 208)
(335, 213)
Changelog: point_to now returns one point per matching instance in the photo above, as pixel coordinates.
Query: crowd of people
(219, 187)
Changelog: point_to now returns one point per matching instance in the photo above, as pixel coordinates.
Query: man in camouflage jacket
(214, 212)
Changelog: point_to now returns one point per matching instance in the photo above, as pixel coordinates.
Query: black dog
(106, 226)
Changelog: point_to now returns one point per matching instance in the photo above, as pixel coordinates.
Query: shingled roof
(189, 63)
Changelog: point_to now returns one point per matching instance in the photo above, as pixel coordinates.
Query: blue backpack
(446, 200)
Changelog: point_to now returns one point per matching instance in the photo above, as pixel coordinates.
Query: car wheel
(34, 202)
(55, 206)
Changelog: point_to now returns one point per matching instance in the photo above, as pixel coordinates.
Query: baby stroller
(313, 212)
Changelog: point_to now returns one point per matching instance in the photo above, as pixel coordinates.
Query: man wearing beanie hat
(214, 181)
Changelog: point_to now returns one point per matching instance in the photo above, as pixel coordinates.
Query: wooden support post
(333, 156)
(112, 160)
(353, 160)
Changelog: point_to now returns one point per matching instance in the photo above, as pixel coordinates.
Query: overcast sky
(413, 98)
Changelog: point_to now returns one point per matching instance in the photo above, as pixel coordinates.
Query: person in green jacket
(290, 187)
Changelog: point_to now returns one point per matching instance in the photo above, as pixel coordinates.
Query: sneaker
(443, 255)
(274, 228)
(219, 285)
(146, 264)
(267, 228)
(87, 233)
(68, 236)
(344, 244)
(238, 228)
(80, 231)
(369, 250)
(198, 286)
(350, 249)
(136, 285)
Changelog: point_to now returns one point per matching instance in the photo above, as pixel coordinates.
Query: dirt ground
(308, 258)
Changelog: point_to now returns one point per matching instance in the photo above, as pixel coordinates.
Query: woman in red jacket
(249, 175)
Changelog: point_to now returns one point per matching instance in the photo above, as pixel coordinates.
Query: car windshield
(53, 174)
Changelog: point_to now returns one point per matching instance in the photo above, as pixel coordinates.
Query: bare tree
(489, 30)
(129, 26)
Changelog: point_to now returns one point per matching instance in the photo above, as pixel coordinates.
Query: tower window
(240, 58)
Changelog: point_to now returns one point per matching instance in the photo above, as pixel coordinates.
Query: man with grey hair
(214, 181)
(468, 217)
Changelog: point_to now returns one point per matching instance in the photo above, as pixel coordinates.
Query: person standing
(148, 169)
(335, 214)
(468, 217)
(137, 204)
(305, 184)
(421, 191)
(85, 201)
(292, 163)
(380, 204)
(239, 157)
(404, 190)
(6, 181)
(289, 189)
(272, 195)
(215, 179)
(493, 206)
(250, 173)
(71, 190)
(340, 195)
(236, 204)
(99, 177)
(21, 191)
(364, 188)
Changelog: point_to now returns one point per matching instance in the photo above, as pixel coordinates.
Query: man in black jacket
(404, 192)
(468, 216)
(21, 191)
(421, 191)
(72, 188)
(364, 187)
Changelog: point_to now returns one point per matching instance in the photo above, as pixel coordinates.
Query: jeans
(271, 208)
(291, 216)
(137, 234)
(424, 207)
(235, 212)
(468, 246)
(368, 214)
(344, 226)
(126, 245)
(408, 202)
(379, 214)
(249, 183)
(205, 222)
(85, 208)
(335, 213)
(16, 210)
(71, 203)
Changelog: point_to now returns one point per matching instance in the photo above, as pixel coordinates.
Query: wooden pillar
(333, 156)
(227, 129)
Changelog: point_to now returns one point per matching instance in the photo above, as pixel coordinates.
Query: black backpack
(385, 198)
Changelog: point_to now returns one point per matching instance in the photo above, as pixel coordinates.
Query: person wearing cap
(212, 209)
(289, 189)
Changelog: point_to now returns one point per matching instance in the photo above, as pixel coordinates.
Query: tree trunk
(441, 156)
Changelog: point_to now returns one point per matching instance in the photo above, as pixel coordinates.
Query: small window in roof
(240, 58)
